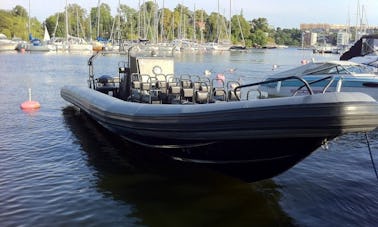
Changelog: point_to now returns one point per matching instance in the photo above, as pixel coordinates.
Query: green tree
(128, 21)
(166, 28)
(19, 11)
(102, 24)
(240, 28)
(258, 38)
(290, 37)
(260, 24)
(211, 33)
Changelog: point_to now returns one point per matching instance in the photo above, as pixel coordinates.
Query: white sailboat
(220, 44)
(35, 44)
(70, 43)
(6, 44)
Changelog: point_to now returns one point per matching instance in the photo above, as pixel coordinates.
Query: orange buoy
(30, 105)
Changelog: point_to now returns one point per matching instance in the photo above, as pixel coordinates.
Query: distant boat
(218, 46)
(35, 44)
(325, 49)
(364, 51)
(7, 44)
(327, 76)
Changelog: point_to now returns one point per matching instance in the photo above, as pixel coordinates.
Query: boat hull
(253, 140)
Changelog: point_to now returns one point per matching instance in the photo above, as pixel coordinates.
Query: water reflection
(166, 193)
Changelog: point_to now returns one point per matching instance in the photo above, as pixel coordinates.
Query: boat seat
(231, 85)
(202, 97)
(231, 95)
(218, 90)
(174, 92)
(161, 83)
(187, 91)
(136, 84)
(219, 94)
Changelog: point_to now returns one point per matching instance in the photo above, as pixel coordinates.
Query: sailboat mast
(194, 24)
(162, 23)
(98, 18)
(29, 28)
(66, 22)
(229, 26)
(218, 28)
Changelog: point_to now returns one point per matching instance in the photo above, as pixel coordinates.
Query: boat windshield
(342, 69)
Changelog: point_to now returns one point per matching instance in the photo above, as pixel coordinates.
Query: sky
(279, 13)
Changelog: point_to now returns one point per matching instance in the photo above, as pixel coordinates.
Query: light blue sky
(280, 13)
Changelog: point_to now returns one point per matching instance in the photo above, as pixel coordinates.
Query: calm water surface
(57, 167)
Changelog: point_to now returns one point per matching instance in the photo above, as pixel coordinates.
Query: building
(343, 38)
(309, 38)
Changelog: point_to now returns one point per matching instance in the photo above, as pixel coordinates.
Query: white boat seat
(202, 97)
(231, 95)
(219, 94)
(136, 84)
(187, 93)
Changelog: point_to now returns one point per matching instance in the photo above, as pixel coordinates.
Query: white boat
(364, 51)
(192, 121)
(7, 44)
(330, 76)
(218, 46)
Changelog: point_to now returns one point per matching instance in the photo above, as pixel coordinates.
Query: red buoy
(30, 105)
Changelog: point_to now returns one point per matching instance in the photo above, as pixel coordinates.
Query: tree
(102, 24)
(166, 27)
(128, 21)
(211, 33)
(259, 38)
(290, 37)
(19, 11)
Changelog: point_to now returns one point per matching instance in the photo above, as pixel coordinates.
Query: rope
(371, 155)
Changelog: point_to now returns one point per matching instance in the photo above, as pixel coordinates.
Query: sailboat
(35, 44)
(38, 45)
(220, 44)
(70, 43)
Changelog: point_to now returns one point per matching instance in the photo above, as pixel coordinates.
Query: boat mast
(29, 28)
(201, 28)
(98, 18)
(218, 28)
(229, 26)
(66, 23)
(162, 24)
(241, 31)
(194, 24)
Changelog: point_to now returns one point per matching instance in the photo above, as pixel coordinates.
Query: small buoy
(274, 67)
(232, 70)
(30, 104)
(221, 77)
(304, 61)
(207, 72)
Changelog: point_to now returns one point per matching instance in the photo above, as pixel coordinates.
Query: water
(59, 167)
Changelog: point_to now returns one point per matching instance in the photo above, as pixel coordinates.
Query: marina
(59, 166)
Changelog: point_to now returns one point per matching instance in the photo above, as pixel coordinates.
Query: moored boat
(327, 76)
(364, 51)
(191, 120)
